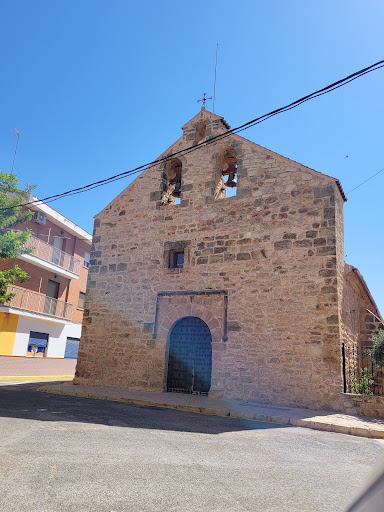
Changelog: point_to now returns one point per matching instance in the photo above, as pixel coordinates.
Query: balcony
(38, 303)
(50, 258)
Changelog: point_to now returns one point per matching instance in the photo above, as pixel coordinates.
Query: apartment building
(44, 317)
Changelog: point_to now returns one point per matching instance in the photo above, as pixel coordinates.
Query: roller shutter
(72, 348)
(38, 339)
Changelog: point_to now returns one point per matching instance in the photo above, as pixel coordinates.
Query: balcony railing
(39, 303)
(53, 255)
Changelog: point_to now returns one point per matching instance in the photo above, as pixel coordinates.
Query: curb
(42, 377)
(185, 408)
(280, 420)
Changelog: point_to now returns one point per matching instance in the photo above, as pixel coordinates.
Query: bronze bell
(231, 181)
(231, 171)
(177, 180)
(177, 190)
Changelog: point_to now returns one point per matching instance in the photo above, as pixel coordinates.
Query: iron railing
(361, 373)
(39, 303)
(51, 254)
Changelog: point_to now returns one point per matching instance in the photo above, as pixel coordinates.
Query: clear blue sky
(100, 87)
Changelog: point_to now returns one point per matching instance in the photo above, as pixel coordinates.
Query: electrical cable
(245, 126)
(258, 120)
(365, 181)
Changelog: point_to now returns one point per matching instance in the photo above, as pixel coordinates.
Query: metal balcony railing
(53, 255)
(39, 303)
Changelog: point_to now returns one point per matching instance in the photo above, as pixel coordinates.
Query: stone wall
(360, 319)
(364, 405)
(272, 255)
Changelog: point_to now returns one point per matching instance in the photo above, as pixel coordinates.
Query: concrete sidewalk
(318, 420)
(16, 368)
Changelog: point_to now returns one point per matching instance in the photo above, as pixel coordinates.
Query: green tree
(9, 277)
(12, 240)
(377, 351)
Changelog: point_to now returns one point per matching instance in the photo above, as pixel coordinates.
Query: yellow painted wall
(8, 328)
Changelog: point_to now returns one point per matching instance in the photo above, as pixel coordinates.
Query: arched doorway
(190, 356)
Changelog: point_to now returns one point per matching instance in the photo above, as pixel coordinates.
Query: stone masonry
(263, 269)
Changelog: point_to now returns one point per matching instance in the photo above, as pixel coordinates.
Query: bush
(363, 385)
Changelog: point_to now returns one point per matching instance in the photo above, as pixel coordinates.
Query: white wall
(58, 334)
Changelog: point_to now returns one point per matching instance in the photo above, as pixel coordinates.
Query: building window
(87, 258)
(176, 256)
(37, 343)
(81, 302)
(176, 259)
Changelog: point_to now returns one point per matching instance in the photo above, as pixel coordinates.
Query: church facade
(244, 296)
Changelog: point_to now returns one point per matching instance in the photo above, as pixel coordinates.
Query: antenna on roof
(214, 85)
(17, 143)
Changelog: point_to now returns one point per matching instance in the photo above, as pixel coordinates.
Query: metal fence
(39, 303)
(53, 255)
(361, 373)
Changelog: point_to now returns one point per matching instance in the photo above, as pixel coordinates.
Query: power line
(245, 126)
(365, 181)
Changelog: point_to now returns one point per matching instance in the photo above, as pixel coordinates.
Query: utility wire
(362, 183)
(249, 124)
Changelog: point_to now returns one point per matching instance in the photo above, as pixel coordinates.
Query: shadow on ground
(22, 400)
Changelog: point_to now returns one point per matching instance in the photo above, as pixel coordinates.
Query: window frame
(173, 256)
(171, 250)
(39, 347)
(81, 296)
(86, 261)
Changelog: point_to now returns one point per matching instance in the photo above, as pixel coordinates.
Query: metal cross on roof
(204, 99)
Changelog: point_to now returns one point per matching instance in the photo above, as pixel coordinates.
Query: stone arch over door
(211, 307)
(189, 356)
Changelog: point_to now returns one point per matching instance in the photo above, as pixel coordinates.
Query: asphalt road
(62, 454)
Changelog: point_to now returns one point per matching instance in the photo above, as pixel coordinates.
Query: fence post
(344, 375)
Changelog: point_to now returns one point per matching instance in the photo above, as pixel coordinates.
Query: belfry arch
(226, 165)
(189, 356)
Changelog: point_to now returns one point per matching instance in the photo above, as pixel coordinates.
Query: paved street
(62, 453)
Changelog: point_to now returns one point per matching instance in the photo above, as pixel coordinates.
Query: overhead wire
(365, 181)
(249, 124)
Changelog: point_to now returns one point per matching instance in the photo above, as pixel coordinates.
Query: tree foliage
(9, 277)
(12, 240)
(377, 351)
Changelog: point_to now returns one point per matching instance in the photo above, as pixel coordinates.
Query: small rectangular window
(176, 259)
(81, 302)
(87, 258)
(179, 259)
